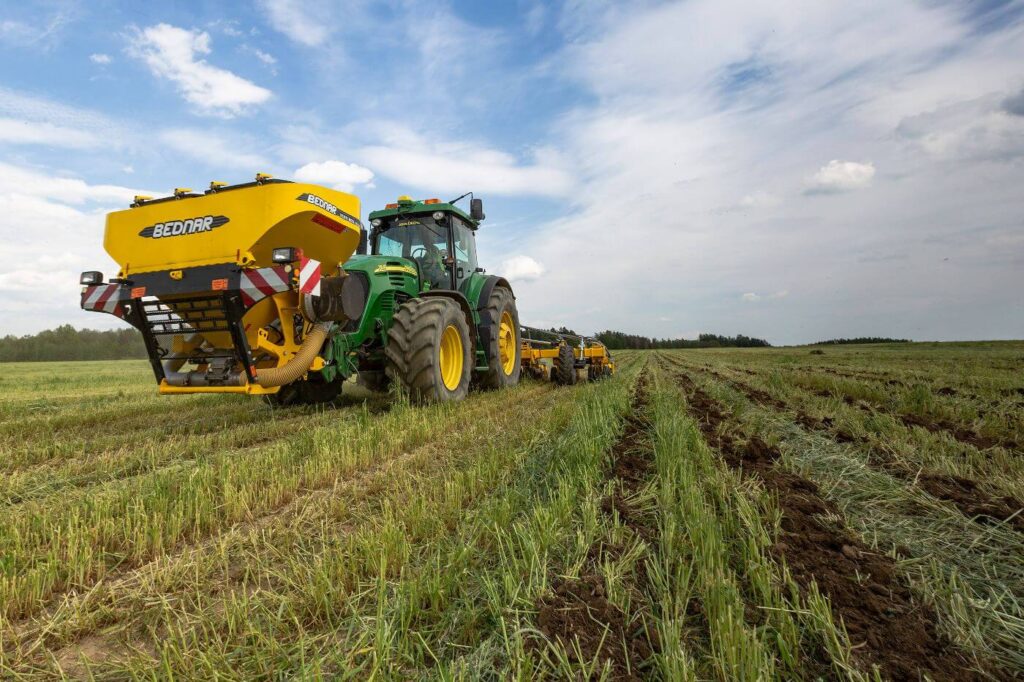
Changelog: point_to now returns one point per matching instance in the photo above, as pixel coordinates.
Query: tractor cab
(438, 237)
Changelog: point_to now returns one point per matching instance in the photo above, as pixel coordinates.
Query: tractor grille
(387, 304)
(186, 316)
(397, 279)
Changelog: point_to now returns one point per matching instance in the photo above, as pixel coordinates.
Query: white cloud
(175, 54)
(450, 167)
(306, 23)
(984, 128)
(217, 149)
(45, 243)
(28, 183)
(100, 58)
(338, 174)
(521, 269)
(15, 131)
(841, 176)
(264, 57)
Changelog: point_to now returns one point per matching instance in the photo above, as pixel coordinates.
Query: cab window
(465, 249)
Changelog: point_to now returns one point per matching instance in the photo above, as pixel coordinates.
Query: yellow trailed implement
(568, 354)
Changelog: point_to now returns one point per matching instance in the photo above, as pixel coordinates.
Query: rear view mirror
(476, 209)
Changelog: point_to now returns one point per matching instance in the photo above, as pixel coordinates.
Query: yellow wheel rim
(450, 357)
(507, 343)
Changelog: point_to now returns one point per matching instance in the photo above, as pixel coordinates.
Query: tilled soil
(576, 611)
(963, 493)
(887, 627)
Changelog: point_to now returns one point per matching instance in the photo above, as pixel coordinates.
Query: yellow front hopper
(217, 246)
(240, 225)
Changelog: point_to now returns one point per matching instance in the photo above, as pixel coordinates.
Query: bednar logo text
(176, 228)
(329, 207)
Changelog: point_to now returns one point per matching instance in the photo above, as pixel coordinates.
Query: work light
(286, 254)
(91, 277)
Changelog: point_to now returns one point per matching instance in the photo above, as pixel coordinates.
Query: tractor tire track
(887, 626)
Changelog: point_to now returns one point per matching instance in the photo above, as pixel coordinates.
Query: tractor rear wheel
(428, 350)
(563, 367)
(503, 346)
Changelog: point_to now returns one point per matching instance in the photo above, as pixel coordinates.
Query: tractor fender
(463, 302)
(483, 330)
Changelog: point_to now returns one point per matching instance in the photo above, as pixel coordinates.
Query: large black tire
(504, 347)
(420, 356)
(563, 367)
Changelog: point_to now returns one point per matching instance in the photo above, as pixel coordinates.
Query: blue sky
(796, 171)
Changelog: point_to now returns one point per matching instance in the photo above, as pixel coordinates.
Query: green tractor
(434, 322)
(274, 288)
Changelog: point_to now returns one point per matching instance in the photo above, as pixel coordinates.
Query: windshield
(417, 238)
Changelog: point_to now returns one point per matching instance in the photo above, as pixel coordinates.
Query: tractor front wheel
(428, 350)
(563, 367)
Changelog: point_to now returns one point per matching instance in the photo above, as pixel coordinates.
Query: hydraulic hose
(300, 362)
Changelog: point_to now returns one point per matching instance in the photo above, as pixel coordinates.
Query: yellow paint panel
(258, 219)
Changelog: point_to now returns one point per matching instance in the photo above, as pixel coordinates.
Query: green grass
(146, 537)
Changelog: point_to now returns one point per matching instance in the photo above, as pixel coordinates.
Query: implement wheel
(563, 367)
(428, 350)
(503, 348)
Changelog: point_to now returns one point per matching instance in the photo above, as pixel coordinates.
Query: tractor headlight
(91, 277)
(438, 216)
(286, 254)
(376, 222)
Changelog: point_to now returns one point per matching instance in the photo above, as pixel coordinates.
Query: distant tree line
(860, 339)
(67, 343)
(620, 340)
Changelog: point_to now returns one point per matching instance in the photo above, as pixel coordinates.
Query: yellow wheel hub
(450, 357)
(507, 343)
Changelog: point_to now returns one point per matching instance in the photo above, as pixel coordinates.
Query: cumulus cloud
(176, 54)
(841, 176)
(521, 268)
(338, 174)
(100, 58)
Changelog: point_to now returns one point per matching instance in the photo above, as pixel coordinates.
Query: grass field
(851, 512)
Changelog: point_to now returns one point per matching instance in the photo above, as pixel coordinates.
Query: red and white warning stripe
(309, 276)
(103, 298)
(255, 285)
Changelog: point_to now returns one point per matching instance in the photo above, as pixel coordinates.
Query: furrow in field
(575, 612)
(965, 494)
(887, 626)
